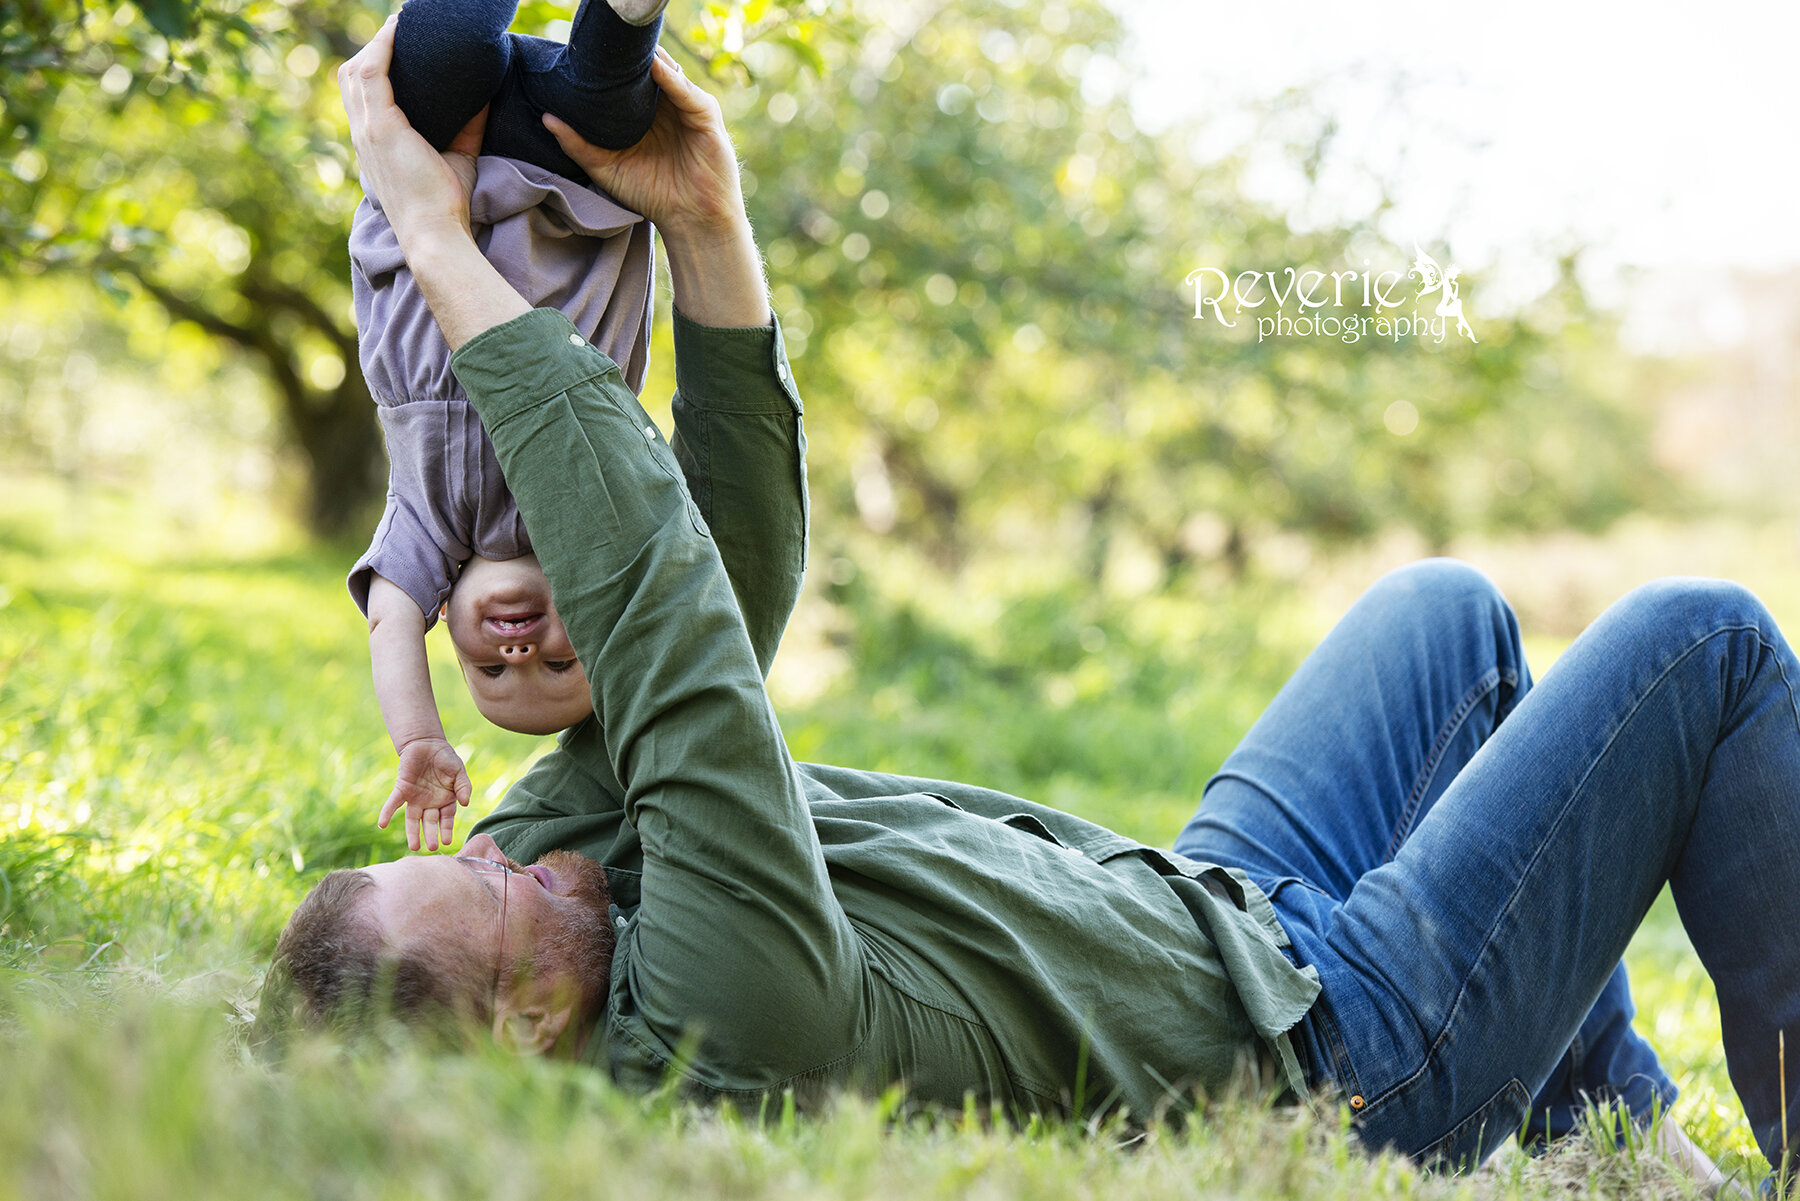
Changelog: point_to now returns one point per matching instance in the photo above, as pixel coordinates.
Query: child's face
(515, 654)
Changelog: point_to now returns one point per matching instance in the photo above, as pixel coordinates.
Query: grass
(188, 740)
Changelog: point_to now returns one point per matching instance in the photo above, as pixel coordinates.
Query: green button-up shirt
(797, 926)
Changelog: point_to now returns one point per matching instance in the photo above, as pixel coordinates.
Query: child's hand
(432, 784)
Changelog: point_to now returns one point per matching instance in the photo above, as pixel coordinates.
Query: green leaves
(176, 19)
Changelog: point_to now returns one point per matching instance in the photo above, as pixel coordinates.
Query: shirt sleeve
(739, 941)
(740, 438)
(404, 553)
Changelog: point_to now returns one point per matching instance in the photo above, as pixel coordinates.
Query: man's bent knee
(1688, 607)
(1443, 589)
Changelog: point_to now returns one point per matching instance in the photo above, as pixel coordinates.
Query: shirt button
(618, 923)
(782, 371)
(649, 433)
(575, 340)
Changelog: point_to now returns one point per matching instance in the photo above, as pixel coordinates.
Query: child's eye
(492, 670)
(559, 664)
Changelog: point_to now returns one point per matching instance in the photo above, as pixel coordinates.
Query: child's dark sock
(602, 85)
(453, 56)
(449, 59)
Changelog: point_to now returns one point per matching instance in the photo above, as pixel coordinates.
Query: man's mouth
(543, 875)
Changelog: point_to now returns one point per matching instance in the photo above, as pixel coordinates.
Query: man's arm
(737, 415)
(739, 933)
(739, 936)
(741, 442)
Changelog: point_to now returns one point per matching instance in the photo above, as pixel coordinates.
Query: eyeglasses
(490, 867)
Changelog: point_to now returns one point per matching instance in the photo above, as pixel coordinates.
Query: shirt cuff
(518, 364)
(735, 370)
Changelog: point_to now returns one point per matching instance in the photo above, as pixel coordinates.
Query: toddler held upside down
(451, 543)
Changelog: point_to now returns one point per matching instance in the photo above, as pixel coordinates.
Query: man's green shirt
(796, 926)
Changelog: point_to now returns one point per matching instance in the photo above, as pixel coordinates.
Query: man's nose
(480, 846)
(518, 652)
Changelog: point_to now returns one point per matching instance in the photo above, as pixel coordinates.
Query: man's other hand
(683, 175)
(416, 186)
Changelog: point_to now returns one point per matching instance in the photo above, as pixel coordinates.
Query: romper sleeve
(404, 553)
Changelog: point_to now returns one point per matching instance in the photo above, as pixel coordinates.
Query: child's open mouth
(514, 625)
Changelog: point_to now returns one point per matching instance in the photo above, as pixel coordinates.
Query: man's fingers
(363, 82)
(574, 144)
(373, 60)
(468, 141)
(675, 84)
(368, 91)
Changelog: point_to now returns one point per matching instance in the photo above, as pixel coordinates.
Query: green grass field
(188, 739)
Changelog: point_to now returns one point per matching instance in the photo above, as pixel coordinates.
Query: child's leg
(449, 59)
(601, 85)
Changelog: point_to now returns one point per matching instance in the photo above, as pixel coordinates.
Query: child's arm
(431, 781)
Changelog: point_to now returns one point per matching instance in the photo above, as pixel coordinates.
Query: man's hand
(684, 174)
(416, 186)
(684, 177)
(432, 784)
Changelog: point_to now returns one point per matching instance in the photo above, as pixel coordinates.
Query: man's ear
(530, 1031)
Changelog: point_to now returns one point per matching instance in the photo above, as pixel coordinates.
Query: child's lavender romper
(562, 245)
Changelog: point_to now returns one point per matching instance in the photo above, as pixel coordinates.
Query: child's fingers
(446, 824)
(395, 799)
(412, 828)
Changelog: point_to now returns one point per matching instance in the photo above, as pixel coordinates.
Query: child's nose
(516, 654)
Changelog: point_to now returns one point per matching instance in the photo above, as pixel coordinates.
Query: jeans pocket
(1477, 1136)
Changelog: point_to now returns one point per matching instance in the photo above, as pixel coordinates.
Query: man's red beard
(582, 943)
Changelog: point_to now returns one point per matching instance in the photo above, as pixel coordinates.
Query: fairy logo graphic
(1438, 279)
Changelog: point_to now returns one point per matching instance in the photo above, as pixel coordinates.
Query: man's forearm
(463, 290)
(717, 275)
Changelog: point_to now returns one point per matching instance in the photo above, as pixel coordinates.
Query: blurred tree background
(977, 255)
(1067, 539)
(1041, 486)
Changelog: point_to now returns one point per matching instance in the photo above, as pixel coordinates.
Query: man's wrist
(717, 274)
(437, 234)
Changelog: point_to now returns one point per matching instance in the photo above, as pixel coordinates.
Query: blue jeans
(1464, 857)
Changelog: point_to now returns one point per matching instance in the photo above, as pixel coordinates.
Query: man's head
(515, 654)
(446, 943)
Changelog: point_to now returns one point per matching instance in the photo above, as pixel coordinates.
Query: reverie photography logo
(1348, 305)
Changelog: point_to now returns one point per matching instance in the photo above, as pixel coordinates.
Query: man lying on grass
(1409, 887)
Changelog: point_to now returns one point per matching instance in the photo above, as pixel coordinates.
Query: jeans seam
(1487, 941)
(1403, 828)
(1343, 1071)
